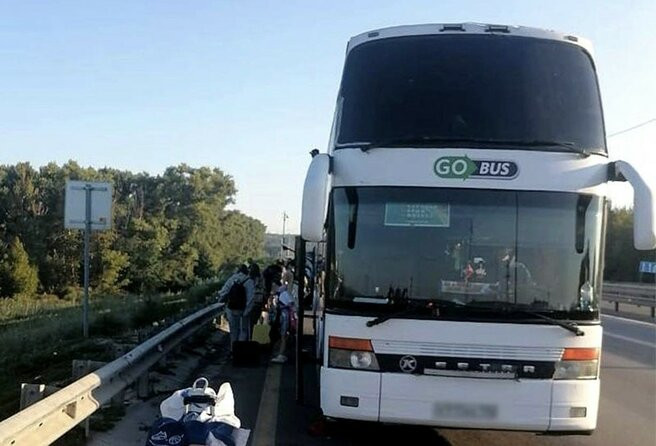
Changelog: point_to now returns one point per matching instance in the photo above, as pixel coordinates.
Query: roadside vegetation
(39, 347)
(173, 239)
(169, 231)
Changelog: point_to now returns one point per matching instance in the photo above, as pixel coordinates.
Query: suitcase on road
(246, 353)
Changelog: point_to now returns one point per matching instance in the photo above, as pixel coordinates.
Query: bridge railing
(638, 294)
(47, 420)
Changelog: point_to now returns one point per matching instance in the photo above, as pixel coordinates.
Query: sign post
(88, 206)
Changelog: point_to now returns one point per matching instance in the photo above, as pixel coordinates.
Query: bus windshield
(538, 250)
(473, 91)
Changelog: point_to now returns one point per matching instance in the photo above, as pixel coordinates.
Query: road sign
(647, 267)
(88, 206)
(75, 206)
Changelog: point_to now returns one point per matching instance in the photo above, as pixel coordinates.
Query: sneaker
(279, 359)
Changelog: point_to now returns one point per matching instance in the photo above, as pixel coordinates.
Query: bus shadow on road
(366, 433)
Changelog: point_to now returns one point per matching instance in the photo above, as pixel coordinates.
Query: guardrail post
(143, 386)
(82, 367)
(31, 393)
(617, 306)
(163, 362)
(653, 312)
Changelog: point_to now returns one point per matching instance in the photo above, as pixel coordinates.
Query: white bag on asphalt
(222, 411)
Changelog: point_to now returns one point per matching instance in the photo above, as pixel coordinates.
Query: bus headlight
(578, 363)
(576, 369)
(349, 353)
(362, 360)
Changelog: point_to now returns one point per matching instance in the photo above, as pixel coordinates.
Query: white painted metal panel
(462, 402)
(466, 28)
(567, 394)
(75, 205)
(537, 171)
(365, 386)
(527, 337)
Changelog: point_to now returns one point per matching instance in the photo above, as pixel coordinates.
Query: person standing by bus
(238, 293)
(288, 275)
(258, 301)
(272, 275)
(284, 308)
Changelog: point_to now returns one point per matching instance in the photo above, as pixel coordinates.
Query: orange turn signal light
(580, 354)
(350, 344)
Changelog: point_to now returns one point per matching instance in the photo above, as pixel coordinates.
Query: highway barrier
(638, 294)
(47, 420)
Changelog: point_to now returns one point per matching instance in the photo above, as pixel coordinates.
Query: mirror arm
(614, 174)
(644, 205)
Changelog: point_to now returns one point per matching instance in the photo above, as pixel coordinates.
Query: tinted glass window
(536, 249)
(475, 86)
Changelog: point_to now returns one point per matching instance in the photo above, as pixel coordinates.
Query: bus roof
(466, 28)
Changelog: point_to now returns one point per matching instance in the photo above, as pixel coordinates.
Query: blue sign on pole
(648, 267)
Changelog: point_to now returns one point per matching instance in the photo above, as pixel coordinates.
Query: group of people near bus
(257, 301)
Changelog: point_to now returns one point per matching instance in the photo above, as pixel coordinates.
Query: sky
(250, 86)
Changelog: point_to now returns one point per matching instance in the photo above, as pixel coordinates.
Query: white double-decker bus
(462, 202)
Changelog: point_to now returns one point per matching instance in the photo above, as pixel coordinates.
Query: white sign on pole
(75, 206)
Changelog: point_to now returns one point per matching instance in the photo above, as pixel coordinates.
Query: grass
(39, 343)
(21, 308)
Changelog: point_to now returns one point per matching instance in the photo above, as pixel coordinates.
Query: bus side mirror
(315, 198)
(644, 205)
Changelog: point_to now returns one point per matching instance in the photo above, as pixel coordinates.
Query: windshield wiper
(417, 306)
(400, 142)
(568, 145)
(504, 306)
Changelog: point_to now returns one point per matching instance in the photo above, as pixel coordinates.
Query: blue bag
(167, 432)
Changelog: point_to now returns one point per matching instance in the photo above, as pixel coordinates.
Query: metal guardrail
(641, 295)
(50, 418)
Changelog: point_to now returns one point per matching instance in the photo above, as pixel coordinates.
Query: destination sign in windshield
(417, 214)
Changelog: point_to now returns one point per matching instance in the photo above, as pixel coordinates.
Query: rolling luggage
(246, 353)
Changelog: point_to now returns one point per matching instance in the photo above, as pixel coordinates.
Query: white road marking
(626, 338)
(624, 319)
(267, 414)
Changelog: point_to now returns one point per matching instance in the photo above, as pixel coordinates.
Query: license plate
(465, 411)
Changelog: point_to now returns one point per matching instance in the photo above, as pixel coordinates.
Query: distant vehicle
(462, 203)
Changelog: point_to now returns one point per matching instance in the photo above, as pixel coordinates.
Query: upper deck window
(471, 91)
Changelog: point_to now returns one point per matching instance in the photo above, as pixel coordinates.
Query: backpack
(237, 296)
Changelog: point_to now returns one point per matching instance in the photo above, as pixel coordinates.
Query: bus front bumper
(527, 405)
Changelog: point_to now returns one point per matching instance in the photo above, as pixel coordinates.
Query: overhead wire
(632, 128)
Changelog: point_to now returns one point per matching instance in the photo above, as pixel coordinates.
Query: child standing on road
(284, 305)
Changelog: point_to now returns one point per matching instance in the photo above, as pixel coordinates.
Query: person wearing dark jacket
(258, 305)
(272, 275)
(239, 315)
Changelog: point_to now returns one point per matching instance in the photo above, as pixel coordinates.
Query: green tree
(168, 230)
(17, 275)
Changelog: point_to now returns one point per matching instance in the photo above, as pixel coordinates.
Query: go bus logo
(463, 167)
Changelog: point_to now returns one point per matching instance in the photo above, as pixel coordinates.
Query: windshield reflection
(537, 250)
